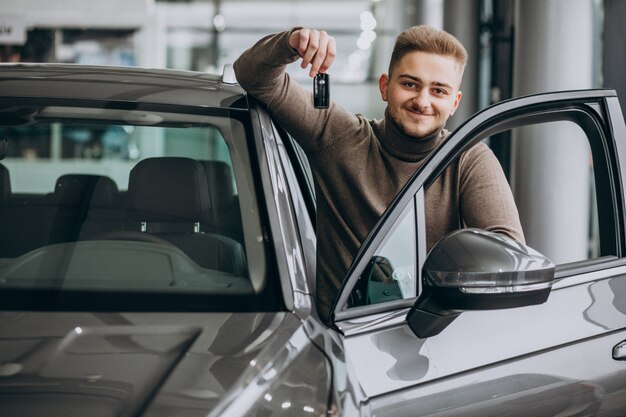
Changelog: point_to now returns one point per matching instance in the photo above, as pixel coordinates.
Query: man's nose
(421, 100)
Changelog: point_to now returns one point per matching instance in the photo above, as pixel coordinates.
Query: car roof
(111, 83)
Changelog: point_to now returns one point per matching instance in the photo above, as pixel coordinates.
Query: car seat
(225, 217)
(82, 205)
(168, 197)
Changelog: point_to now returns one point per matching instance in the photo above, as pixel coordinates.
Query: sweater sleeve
(260, 70)
(486, 200)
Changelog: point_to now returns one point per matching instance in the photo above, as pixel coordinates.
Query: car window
(392, 272)
(105, 200)
(555, 190)
(553, 186)
(302, 168)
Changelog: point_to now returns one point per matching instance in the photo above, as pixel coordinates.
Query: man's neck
(408, 148)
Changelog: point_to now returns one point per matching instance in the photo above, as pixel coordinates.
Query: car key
(321, 91)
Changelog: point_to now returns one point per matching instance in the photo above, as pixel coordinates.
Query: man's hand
(315, 47)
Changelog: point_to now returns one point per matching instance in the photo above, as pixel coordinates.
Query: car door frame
(291, 230)
(596, 111)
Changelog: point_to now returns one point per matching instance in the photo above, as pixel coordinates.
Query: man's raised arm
(260, 70)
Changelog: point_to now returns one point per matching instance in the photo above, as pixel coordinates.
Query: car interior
(179, 210)
(175, 207)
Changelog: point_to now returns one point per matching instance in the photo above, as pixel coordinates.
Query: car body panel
(127, 84)
(572, 315)
(141, 362)
(292, 378)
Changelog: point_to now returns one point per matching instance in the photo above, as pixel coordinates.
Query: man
(359, 165)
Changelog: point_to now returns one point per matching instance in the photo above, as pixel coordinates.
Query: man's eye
(409, 84)
(440, 91)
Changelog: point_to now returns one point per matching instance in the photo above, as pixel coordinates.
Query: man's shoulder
(376, 126)
(361, 125)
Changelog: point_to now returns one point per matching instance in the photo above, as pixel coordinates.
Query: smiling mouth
(419, 113)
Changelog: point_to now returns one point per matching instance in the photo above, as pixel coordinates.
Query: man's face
(421, 92)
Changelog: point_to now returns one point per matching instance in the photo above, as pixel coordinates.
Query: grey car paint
(113, 364)
(563, 357)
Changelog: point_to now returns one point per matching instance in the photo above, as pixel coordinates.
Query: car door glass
(553, 184)
(303, 171)
(391, 273)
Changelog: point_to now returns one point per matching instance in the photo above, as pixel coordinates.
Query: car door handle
(619, 351)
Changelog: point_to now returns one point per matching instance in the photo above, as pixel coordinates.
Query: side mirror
(376, 284)
(472, 269)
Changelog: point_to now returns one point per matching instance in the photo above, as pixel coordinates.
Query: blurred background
(558, 44)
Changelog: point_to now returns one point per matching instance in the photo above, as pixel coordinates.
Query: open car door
(481, 325)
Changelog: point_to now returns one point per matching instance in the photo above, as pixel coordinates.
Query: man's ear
(383, 85)
(457, 101)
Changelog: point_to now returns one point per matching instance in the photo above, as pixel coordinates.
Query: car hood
(129, 364)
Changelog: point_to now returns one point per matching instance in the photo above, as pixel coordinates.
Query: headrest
(220, 181)
(5, 183)
(96, 190)
(168, 189)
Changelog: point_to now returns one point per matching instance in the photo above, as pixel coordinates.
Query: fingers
(316, 48)
(311, 48)
(325, 56)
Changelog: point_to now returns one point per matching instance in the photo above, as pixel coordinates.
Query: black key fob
(321, 91)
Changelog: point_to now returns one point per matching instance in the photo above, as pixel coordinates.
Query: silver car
(157, 258)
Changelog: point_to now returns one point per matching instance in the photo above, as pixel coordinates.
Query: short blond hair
(430, 40)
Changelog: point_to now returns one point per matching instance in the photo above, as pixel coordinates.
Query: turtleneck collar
(407, 148)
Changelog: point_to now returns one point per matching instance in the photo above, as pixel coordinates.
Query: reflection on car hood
(126, 364)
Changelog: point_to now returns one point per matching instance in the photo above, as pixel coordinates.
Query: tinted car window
(392, 273)
(150, 203)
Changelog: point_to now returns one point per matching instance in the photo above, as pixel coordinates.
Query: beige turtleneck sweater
(360, 165)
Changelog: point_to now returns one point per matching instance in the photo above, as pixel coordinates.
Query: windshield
(129, 209)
